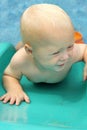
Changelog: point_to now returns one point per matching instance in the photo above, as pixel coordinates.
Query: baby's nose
(65, 55)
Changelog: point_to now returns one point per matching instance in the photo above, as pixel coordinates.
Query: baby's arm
(80, 53)
(11, 77)
(85, 60)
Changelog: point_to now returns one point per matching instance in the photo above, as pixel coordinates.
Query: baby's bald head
(43, 22)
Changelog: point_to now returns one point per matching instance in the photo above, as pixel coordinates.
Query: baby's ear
(28, 48)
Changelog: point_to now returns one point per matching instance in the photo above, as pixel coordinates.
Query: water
(11, 11)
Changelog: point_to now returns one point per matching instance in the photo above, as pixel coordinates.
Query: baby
(47, 54)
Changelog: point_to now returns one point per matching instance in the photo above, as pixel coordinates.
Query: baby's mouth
(62, 64)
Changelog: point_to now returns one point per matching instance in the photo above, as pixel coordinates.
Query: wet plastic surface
(53, 106)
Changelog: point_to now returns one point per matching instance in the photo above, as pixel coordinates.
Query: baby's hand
(15, 97)
(85, 72)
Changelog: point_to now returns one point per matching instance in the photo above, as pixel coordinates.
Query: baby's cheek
(55, 59)
(70, 53)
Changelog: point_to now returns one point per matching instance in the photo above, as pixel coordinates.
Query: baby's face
(50, 33)
(54, 54)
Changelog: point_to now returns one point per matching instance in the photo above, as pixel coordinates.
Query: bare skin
(19, 45)
(48, 60)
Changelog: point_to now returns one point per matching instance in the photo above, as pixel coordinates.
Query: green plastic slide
(61, 106)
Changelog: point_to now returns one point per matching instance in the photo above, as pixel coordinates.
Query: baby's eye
(70, 47)
(55, 53)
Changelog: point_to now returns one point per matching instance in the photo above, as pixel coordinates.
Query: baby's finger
(26, 98)
(12, 101)
(6, 99)
(2, 97)
(18, 101)
(85, 75)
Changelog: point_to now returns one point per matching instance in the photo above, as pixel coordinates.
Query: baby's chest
(46, 76)
(34, 74)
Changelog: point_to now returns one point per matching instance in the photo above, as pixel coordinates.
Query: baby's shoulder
(20, 59)
(78, 52)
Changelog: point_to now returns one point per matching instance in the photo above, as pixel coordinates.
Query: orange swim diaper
(78, 38)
